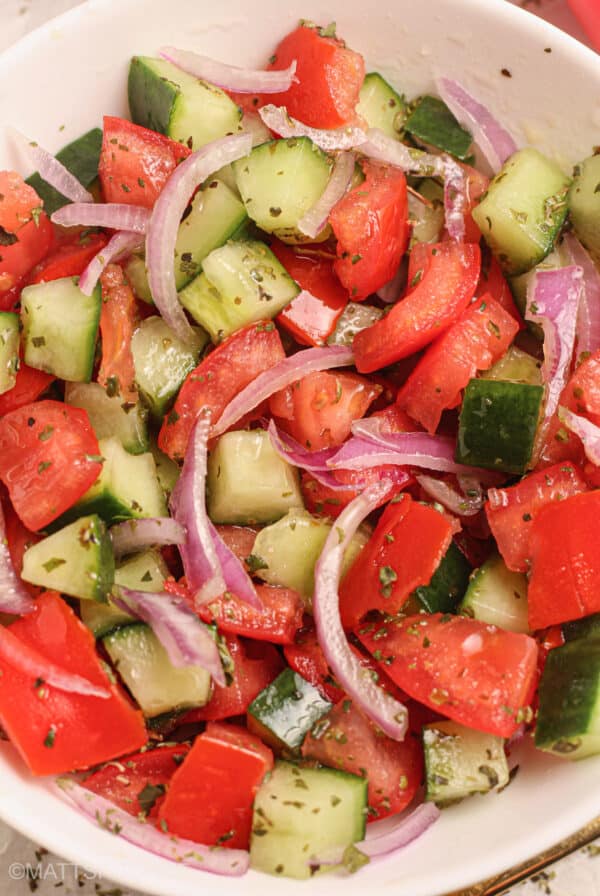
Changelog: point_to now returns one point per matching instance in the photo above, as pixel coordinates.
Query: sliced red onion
(25, 659)
(230, 77)
(315, 219)
(442, 492)
(277, 119)
(186, 639)
(136, 535)
(166, 218)
(552, 302)
(14, 597)
(495, 142)
(235, 576)
(587, 333)
(217, 860)
(114, 215)
(122, 243)
(53, 171)
(392, 290)
(278, 377)
(587, 431)
(455, 198)
(294, 453)
(390, 715)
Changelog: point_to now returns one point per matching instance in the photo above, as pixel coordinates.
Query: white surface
(58, 79)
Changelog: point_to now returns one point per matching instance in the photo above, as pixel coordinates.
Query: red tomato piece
(18, 538)
(55, 731)
(511, 511)
(322, 500)
(371, 226)
(403, 553)
(582, 396)
(18, 201)
(477, 184)
(328, 78)
(278, 621)
(34, 240)
(477, 674)
(446, 285)
(477, 340)
(347, 740)
(211, 794)
(217, 379)
(70, 259)
(493, 282)
(394, 419)
(565, 563)
(46, 459)
(29, 385)
(135, 163)
(239, 539)
(118, 321)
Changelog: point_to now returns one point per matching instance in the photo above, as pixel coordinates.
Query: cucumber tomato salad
(299, 451)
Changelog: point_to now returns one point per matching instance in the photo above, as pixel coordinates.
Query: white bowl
(58, 82)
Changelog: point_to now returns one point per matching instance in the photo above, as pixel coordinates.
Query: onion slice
(277, 119)
(166, 218)
(294, 453)
(587, 431)
(278, 377)
(315, 219)
(587, 334)
(495, 142)
(235, 576)
(464, 504)
(230, 77)
(136, 535)
(390, 715)
(217, 860)
(122, 243)
(53, 171)
(114, 215)
(186, 639)
(391, 291)
(14, 597)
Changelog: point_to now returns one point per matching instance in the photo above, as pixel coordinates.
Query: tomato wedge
(70, 259)
(118, 321)
(493, 282)
(278, 621)
(33, 242)
(29, 385)
(18, 202)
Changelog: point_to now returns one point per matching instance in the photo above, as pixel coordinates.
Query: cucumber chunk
(167, 470)
(432, 122)
(248, 482)
(155, 683)
(448, 584)
(137, 277)
(168, 100)
(109, 416)
(523, 210)
(81, 158)
(241, 283)
(516, 366)
(60, 327)
(584, 205)
(498, 596)
(380, 105)
(301, 813)
(588, 627)
(285, 711)
(279, 181)
(568, 722)
(354, 318)
(10, 339)
(460, 762)
(429, 218)
(77, 560)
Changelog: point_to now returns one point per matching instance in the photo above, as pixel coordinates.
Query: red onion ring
(122, 243)
(587, 431)
(14, 597)
(315, 219)
(235, 576)
(587, 334)
(113, 215)
(230, 77)
(277, 119)
(136, 535)
(450, 498)
(53, 171)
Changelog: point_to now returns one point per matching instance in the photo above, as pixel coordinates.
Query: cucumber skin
(142, 82)
(81, 158)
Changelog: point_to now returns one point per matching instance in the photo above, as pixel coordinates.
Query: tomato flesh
(118, 320)
(69, 259)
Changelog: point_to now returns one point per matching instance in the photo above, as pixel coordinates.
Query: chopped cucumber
(520, 284)
(302, 813)
(77, 560)
(380, 106)
(588, 627)
(109, 416)
(460, 762)
(81, 158)
(10, 339)
(523, 210)
(279, 181)
(448, 583)
(167, 470)
(285, 711)
(137, 277)
(60, 327)
(584, 205)
(516, 366)
(498, 596)
(156, 684)
(248, 482)
(432, 122)
(166, 99)
(241, 283)
(428, 217)
(354, 318)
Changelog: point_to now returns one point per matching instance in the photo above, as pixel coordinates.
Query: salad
(299, 449)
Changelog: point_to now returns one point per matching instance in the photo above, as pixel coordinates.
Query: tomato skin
(239, 539)
(29, 385)
(493, 282)
(211, 794)
(477, 340)
(69, 259)
(484, 689)
(88, 730)
(511, 511)
(371, 226)
(118, 320)
(217, 379)
(135, 163)
(352, 743)
(60, 437)
(34, 240)
(278, 622)
(476, 183)
(447, 285)
(328, 78)
(18, 538)
(582, 396)
(420, 536)
(17, 203)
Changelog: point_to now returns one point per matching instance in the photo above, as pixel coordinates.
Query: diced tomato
(17, 201)
(318, 410)
(447, 283)
(18, 538)
(118, 321)
(256, 664)
(477, 340)
(493, 282)
(56, 731)
(48, 459)
(217, 379)
(239, 539)
(511, 511)
(211, 794)
(394, 419)
(33, 242)
(312, 316)
(137, 784)
(70, 259)
(582, 396)
(404, 551)
(29, 385)
(349, 741)
(565, 562)
(476, 674)
(328, 78)
(278, 621)
(477, 184)
(321, 500)
(135, 163)
(371, 226)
